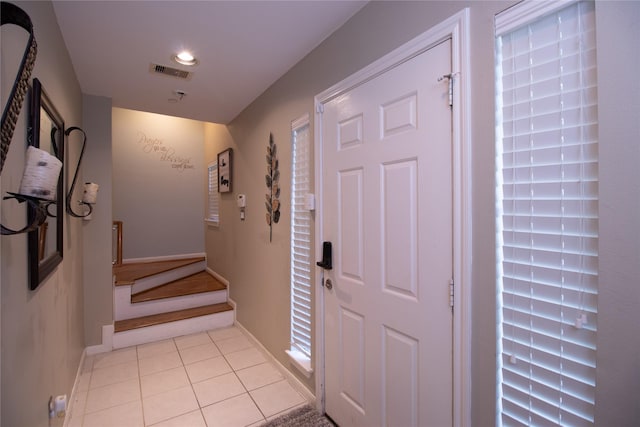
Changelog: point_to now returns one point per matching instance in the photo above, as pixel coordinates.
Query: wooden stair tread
(195, 284)
(157, 319)
(126, 274)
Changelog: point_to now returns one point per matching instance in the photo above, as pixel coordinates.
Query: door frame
(457, 29)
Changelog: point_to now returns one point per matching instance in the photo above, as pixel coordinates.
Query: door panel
(353, 358)
(351, 244)
(400, 228)
(387, 206)
(400, 378)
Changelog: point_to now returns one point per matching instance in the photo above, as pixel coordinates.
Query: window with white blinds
(547, 219)
(300, 239)
(213, 207)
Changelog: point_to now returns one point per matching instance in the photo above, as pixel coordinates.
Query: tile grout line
(264, 418)
(74, 412)
(191, 383)
(144, 421)
(175, 347)
(266, 361)
(184, 365)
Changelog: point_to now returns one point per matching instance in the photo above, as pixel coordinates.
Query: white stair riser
(168, 276)
(173, 329)
(125, 309)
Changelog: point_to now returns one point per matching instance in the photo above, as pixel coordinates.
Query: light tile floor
(215, 378)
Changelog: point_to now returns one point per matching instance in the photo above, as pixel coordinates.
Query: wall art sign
(165, 152)
(224, 171)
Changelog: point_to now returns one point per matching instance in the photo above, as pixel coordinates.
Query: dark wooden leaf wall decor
(272, 179)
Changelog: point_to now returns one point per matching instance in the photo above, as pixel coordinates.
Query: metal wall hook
(47, 205)
(75, 177)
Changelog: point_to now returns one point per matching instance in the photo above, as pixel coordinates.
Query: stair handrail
(117, 227)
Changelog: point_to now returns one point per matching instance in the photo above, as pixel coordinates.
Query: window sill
(212, 223)
(300, 361)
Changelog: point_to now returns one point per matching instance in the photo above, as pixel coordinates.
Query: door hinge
(319, 108)
(451, 293)
(449, 78)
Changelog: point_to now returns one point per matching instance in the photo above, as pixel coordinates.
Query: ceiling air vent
(168, 71)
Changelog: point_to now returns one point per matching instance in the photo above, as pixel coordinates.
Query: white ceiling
(242, 47)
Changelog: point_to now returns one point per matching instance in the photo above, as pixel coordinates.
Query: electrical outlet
(61, 405)
(52, 408)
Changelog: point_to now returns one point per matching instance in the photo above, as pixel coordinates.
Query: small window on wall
(213, 206)
(547, 210)
(300, 350)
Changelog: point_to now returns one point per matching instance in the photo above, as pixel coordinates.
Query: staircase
(164, 299)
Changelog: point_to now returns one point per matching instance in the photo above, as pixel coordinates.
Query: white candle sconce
(38, 188)
(90, 194)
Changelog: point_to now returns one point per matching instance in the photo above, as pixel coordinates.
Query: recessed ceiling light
(185, 58)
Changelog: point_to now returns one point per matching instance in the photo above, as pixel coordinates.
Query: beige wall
(220, 243)
(97, 164)
(258, 270)
(42, 330)
(157, 183)
(618, 339)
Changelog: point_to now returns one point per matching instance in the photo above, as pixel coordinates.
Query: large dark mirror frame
(46, 131)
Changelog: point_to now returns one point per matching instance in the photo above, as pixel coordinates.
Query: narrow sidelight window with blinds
(300, 240)
(547, 219)
(213, 207)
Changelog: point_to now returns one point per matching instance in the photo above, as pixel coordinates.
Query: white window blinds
(547, 213)
(213, 207)
(300, 240)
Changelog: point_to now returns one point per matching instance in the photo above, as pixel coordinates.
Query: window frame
(541, 384)
(213, 209)
(301, 350)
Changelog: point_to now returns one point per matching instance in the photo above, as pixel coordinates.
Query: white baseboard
(224, 281)
(219, 277)
(293, 380)
(163, 258)
(71, 399)
(232, 303)
(107, 342)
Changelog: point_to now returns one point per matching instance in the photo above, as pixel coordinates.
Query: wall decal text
(165, 153)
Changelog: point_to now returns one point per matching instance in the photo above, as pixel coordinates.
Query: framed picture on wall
(224, 171)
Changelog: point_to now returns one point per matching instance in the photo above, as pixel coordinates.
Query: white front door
(387, 209)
